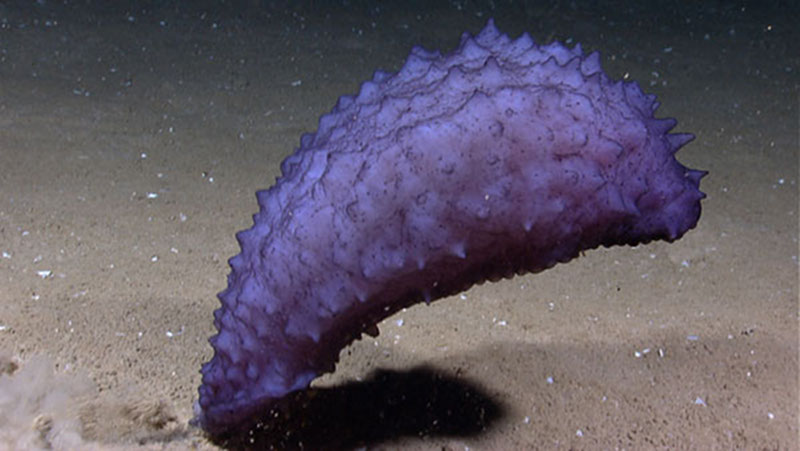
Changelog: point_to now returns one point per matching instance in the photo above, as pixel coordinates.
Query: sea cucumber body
(500, 158)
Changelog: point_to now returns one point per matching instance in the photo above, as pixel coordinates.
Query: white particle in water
(171, 334)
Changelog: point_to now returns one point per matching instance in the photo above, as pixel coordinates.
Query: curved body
(500, 158)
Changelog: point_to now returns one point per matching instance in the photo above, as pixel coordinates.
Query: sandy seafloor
(133, 136)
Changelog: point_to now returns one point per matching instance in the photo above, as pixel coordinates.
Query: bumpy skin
(500, 158)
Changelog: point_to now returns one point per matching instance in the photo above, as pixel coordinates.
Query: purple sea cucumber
(500, 158)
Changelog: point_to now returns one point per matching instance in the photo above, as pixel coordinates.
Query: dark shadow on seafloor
(388, 405)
